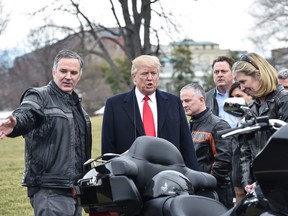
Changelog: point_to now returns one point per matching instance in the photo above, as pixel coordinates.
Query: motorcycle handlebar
(225, 131)
(241, 125)
(251, 126)
(242, 130)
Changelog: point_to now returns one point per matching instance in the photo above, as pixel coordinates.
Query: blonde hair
(257, 65)
(145, 60)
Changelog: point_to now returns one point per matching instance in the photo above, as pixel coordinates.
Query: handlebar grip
(221, 132)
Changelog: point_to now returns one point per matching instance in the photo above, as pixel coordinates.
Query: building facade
(202, 55)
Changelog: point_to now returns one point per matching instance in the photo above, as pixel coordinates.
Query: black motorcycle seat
(149, 155)
(184, 205)
(156, 150)
(124, 166)
(192, 205)
(201, 180)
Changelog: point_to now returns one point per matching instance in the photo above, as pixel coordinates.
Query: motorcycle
(152, 179)
(270, 167)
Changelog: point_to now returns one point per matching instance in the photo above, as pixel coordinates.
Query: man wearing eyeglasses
(124, 114)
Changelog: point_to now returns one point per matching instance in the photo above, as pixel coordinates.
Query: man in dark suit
(122, 121)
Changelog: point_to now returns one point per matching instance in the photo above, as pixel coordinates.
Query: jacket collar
(271, 96)
(201, 115)
(64, 95)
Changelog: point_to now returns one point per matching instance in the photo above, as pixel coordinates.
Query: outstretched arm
(7, 126)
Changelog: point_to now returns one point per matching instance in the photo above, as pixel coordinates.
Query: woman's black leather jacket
(275, 107)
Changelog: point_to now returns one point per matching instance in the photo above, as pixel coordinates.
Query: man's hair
(67, 54)
(283, 74)
(145, 60)
(195, 87)
(227, 59)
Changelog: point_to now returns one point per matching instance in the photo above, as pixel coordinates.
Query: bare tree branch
(271, 25)
(134, 26)
(4, 19)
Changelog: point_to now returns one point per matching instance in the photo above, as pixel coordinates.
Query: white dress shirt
(152, 103)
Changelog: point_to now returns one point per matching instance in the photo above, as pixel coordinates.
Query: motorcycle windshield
(270, 168)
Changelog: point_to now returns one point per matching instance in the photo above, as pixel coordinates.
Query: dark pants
(225, 193)
(48, 203)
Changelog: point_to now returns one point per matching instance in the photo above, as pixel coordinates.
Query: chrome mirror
(235, 106)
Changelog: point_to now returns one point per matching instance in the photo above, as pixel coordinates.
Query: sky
(226, 22)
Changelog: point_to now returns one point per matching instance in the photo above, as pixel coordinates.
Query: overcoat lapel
(131, 108)
(162, 104)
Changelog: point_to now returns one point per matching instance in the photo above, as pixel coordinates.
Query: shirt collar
(140, 96)
(218, 92)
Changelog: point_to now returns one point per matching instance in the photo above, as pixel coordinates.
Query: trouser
(225, 193)
(48, 203)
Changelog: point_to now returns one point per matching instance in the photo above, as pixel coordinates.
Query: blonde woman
(258, 78)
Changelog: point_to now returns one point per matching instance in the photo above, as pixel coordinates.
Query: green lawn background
(13, 196)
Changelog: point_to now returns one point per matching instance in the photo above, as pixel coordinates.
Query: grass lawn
(13, 197)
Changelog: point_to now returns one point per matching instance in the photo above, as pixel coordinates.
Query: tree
(181, 60)
(132, 33)
(4, 18)
(4, 55)
(271, 23)
(4, 60)
(111, 78)
(40, 41)
(208, 82)
(117, 46)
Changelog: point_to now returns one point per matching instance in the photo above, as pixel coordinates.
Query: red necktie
(148, 120)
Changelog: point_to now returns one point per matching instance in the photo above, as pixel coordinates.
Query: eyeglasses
(247, 59)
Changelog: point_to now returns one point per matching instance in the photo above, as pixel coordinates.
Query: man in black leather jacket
(57, 134)
(214, 154)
